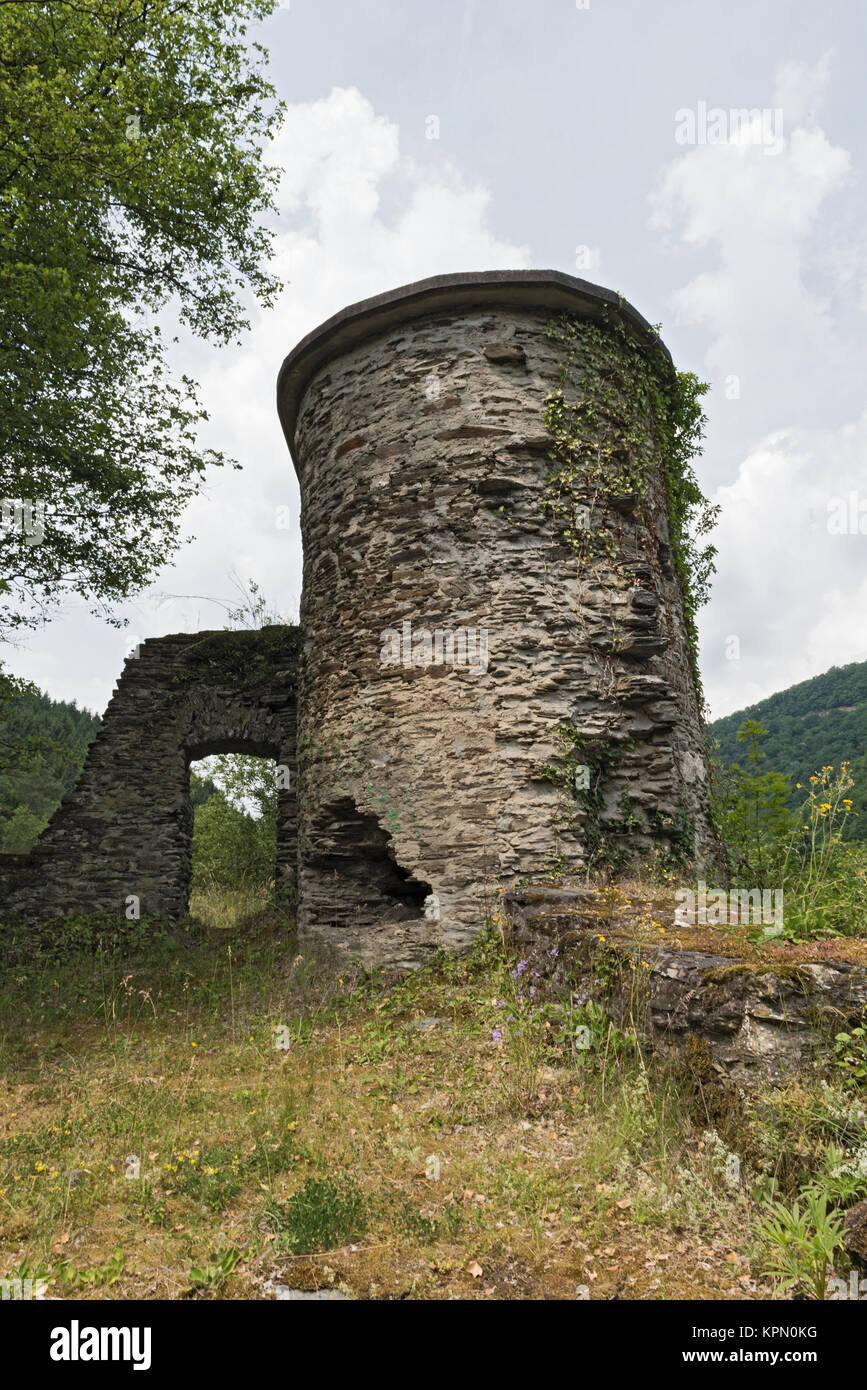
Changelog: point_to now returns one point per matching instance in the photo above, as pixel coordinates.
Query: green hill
(42, 748)
(817, 722)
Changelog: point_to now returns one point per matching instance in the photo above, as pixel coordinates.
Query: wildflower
(553, 952)
(522, 966)
(496, 1035)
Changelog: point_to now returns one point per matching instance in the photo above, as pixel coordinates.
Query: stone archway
(122, 840)
(282, 867)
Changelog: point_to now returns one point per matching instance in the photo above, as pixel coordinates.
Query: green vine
(679, 830)
(619, 413)
(582, 770)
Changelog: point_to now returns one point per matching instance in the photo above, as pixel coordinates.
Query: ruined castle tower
(495, 676)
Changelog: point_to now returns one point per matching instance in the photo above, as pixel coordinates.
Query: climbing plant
(619, 413)
(582, 769)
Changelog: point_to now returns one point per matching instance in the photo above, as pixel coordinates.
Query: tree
(235, 837)
(201, 789)
(132, 178)
(19, 834)
(757, 824)
(43, 744)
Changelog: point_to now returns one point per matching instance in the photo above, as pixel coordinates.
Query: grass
(200, 1112)
(226, 907)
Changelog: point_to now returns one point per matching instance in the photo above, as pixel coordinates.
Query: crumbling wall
(121, 842)
(479, 702)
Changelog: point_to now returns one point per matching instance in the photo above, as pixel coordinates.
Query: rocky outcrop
(763, 1021)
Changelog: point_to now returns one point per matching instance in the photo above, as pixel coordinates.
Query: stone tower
(495, 676)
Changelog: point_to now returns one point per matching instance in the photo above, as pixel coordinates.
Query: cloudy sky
(594, 138)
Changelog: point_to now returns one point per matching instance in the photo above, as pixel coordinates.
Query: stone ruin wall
(421, 785)
(126, 830)
(422, 503)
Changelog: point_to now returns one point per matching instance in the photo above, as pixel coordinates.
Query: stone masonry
(448, 633)
(448, 638)
(126, 831)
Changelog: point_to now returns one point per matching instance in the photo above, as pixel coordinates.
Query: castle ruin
(493, 678)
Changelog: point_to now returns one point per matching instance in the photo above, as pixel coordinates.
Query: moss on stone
(794, 973)
(242, 658)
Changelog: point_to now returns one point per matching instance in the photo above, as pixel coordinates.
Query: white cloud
(790, 591)
(800, 89)
(766, 326)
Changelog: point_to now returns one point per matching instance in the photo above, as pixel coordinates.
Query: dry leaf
(624, 1203)
(475, 1269)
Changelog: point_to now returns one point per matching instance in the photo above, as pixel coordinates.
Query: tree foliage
(43, 744)
(819, 722)
(132, 178)
(755, 820)
(235, 837)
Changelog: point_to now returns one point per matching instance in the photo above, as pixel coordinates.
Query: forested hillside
(42, 747)
(818, 722)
